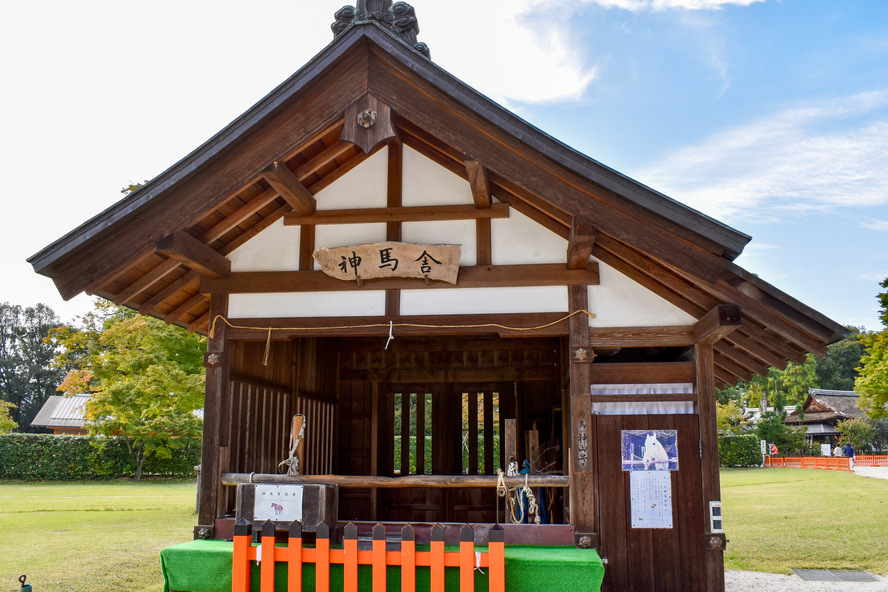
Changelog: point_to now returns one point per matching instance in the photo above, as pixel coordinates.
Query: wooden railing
(871, 460)
(840, 463)
(295, 555)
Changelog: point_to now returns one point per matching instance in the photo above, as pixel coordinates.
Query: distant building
(63, 415)
(824, 409)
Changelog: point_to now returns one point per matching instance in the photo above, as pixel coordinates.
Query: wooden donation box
(308, 503)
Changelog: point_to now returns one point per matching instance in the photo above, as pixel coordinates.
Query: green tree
(860, 432)
(788, 439)
(872, 382)
(146, 378)
(730, 418)
(798, 379)
(7, 424)
(837, 370)
(27, 374)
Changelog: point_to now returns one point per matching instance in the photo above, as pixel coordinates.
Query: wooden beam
(245, 211)
(740, 357)
(285, 182)
(717, 323)
(464, 375)
(397, 214)
(672, 336)
(146, 281)
(486, 276)
(183, 308)
(580, 244)
(641, 372)
(323, 159)
(420, 481)
(183, 283)
(730, 366)
(799, 333)
(196, 255)
(479, 183)
(505, 325)
(747, 339)
(201, 322)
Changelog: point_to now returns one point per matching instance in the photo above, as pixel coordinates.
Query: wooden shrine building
(439, 288)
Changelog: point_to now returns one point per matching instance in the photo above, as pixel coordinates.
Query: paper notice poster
(651, 499)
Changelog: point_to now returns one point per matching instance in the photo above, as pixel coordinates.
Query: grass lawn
(777, 519)
(90, 537)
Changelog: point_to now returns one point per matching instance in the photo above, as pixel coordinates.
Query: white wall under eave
(365, 186)
(307, 304)
(518, 239)
(342, 235)
(452, 301)
(450, 232)
(619, 301)
(274, 249)
(426, 183)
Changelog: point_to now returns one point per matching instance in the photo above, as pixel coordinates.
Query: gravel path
(742, 581)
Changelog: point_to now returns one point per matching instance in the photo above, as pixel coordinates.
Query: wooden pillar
(715, 325)
(705, 363)
(582, 483)
(215, 390)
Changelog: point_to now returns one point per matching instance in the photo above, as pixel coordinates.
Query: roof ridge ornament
(399, 18)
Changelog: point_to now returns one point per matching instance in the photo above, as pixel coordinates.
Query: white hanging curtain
(643, 407)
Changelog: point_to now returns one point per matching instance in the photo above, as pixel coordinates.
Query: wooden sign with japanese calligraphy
(391, 259)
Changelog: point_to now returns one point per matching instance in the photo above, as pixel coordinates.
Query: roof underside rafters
(231, 189)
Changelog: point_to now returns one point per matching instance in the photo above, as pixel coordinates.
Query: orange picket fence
(871, 460)
(295, 555)
(839, 463)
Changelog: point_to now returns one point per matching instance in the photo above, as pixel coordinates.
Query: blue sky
(769, 116)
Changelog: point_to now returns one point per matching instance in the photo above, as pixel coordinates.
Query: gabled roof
(826, 406)
(220, 196)
(61, 412)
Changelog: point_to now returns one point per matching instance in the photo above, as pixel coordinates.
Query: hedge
(46, 457)
(740, 451)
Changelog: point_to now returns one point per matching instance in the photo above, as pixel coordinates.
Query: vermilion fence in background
(840, 463)
(322, 556)
(878, 460)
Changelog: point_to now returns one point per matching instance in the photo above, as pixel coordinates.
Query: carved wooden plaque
(391, 259)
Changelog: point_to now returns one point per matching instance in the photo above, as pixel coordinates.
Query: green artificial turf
(91, 537)
(778, 519)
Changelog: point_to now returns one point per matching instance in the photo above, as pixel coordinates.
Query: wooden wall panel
(641, 559)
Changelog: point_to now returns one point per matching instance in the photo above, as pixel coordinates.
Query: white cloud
(814, 157)
(881, 225)
(510, 50)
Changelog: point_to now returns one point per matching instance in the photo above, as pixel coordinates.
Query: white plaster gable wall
(619, 301)
(341, 235)
(274, 249)
(518, 239)
(365, 186)
(307, 304)
(426, 183)
(484, 300)
(448, 232)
